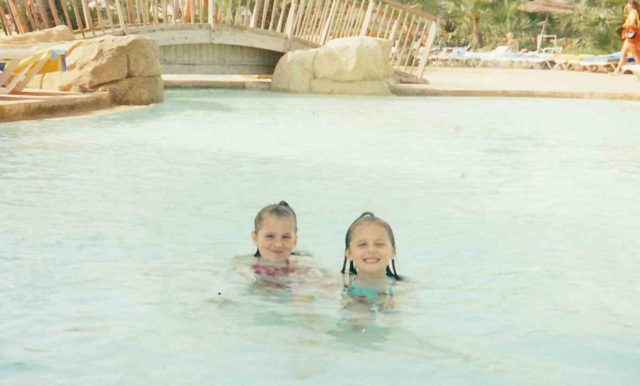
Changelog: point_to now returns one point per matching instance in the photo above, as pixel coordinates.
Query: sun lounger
(602, 63)
(631, 69)
(449, 56)
(20, 65)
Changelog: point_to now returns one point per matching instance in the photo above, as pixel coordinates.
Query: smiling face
(276, 237)
(370, 249)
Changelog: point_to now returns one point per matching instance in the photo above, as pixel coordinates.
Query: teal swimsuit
(358, 291)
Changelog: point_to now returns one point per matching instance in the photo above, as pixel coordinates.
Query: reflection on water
(515, 219)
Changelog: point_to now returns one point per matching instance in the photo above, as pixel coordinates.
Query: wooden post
(394, 29)
(99, 18)
(87, 16)
(387, 32)
(121, 19)
(347, 19)
(308, 14)
(17, 18)
(67, 19)
(176, 9)
(328, 23)
(360, 15)
(281, 16)
(265, 8)
(78, 18)
(341, 13)
(155, 12)
(291, 19)
(131, 13)
(109, 17)
(384, 17)
(274, 9)
(324, 16)
(54, 12)
(256, 11)
(367, 18)
(298, 16)
(427, 49)
(211, 12)
(5, 27)
(43, 14)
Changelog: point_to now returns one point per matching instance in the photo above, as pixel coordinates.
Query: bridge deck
(274, 25)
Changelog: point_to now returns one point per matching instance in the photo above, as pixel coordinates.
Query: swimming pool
(516, 221)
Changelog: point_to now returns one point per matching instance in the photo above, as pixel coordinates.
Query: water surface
(516, 221)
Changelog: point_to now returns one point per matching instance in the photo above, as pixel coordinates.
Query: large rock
(141, 90)
(61, 33)
(294, 71)
(358, 65)
(353, 59)
(96, 63)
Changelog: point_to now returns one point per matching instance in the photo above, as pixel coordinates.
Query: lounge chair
(20, 65)
(602, 63)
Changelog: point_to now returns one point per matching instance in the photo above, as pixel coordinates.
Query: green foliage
(593, 27)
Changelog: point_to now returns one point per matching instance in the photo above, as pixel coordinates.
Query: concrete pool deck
(498, 82)
(493, 82)
(472, 82)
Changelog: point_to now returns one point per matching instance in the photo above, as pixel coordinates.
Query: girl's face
(276, 237)
(370, 249)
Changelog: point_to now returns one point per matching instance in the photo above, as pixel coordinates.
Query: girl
(275, 235)
(631, 36)
(370, 249)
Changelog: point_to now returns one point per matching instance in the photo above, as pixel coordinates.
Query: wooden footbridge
(234, 36)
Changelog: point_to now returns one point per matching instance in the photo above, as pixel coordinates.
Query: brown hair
(370, 218)
(281, 209)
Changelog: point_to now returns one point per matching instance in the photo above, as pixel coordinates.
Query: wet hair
(281, 209)
(370, 218)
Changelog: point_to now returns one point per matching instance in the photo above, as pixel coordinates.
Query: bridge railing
(411, 31)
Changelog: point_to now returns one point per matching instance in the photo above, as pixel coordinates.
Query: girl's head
(370, 247)
(632, 4)
(275, 232)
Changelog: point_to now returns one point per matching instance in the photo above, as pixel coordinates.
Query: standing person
(512, 44)
(631, 36)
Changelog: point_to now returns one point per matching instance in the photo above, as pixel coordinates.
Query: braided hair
(281, 209)
(368, 217)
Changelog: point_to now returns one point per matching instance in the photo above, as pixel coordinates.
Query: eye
(269, 236)
(287, 237)
(380, 244)
(362, 244)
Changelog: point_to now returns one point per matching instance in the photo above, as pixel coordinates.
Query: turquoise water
(516, 221)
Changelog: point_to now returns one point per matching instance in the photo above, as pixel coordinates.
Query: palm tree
(466, 15)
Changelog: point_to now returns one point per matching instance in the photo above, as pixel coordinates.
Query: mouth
(371, 260)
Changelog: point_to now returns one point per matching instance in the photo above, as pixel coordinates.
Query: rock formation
(126, 66)
(356, 65)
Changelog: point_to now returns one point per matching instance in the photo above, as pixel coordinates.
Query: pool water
(516, 222)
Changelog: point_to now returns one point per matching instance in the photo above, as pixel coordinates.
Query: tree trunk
(476, 37)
